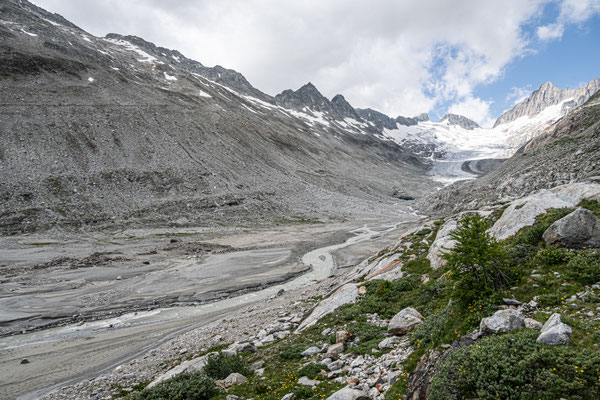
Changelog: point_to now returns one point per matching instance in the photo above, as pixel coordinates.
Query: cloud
(474, 108)
(550, 31)
(401, 57)
(517, 94)
(571, 12)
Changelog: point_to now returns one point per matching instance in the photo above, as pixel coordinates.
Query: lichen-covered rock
(405, 321)
(502, 321)
(555, 332)
(579, 229)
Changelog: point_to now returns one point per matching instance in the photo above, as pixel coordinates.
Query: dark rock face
(307, 96)
(579, 229)
(343, 108)
(379, 120)
(460, 120)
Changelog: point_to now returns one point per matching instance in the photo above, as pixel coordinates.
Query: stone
(245, 348)
(388, 343)
(306, 381)
(335, 350)
(511, 302)
(232, 380)
(579, 229)
(405, 321)
(232, 397)
(349, 393)
(335, 365)
(357, 362)
(342, 336)
(502, 321)
(261, 335)
(257, 365)
(289, 396)
(311, 351)
(531, 323)
(24, 361)
(326, 331)
(555, 332)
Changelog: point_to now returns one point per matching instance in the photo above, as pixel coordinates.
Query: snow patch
(170, 77)
(51, 22)
(176, 59)
(202, 93)
(28, 33)
(90, 79)
(147, 58)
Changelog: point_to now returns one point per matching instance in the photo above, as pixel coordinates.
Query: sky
(401, 57)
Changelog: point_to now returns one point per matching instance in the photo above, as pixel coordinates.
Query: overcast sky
(402, 57)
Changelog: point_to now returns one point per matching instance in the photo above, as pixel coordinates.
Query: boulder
(335, 350)
(231, 380)
(405, 321)
(555, 332)
(306, 381)
(531, 323)
(348, 393)
(579, 229)
(389, 343)
(502, 321)
(311, 351)
(342, 336)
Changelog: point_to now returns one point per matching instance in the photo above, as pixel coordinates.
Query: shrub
(479, 263)
(514, 366)
(592, 205)
(220, 366)
(417, 266)
(432, 330)
(521, 253)
(552, 256)
(190, 386)
(584, 267)
(293, 351)
(311, 370)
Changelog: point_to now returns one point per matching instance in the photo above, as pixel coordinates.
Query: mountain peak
(343, 108)
(548, 95)
(460, 120)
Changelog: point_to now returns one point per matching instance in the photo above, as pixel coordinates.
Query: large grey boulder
(502, 321)
(579, 229)
(232, 379)
(405, 321)
(348, 393)
(555, 332)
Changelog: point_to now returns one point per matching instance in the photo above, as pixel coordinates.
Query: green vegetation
(591, 205)
(220, 366)
(514, 366)
(192, 386)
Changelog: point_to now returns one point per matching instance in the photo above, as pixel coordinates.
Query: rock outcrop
(577, 230)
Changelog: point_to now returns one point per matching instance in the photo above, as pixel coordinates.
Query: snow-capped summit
(549, 95)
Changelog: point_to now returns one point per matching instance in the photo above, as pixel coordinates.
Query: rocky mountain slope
(99, 131)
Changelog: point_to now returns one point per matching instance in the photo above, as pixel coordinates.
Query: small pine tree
(478, 262)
